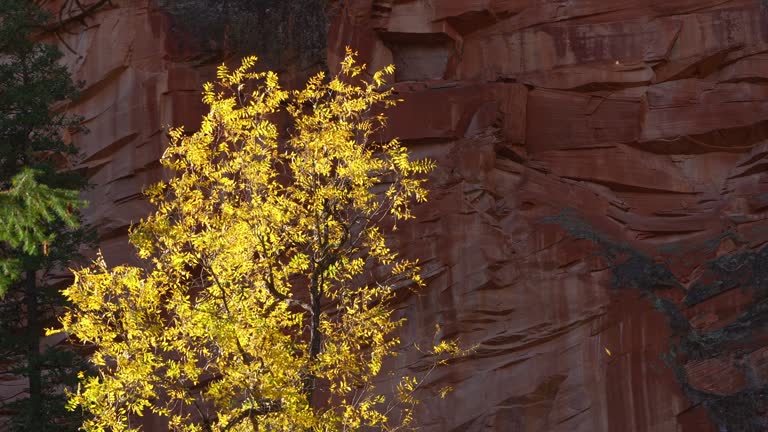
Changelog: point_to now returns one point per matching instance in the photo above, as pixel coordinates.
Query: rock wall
(596, 225)
(143, 63)
(598, 218)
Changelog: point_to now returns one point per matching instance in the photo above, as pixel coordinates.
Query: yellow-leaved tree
(266, 301)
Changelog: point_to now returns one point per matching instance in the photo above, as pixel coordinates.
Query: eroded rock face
(600, 189)
(144, 63)
(596, 225)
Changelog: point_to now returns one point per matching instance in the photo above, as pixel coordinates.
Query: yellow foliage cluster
(266, 301)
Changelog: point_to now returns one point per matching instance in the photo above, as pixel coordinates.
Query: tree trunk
(315, 337)
(33, 356)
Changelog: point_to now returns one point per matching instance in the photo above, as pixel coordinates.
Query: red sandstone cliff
(601, 186)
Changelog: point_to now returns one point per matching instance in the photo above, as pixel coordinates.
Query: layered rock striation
(597, 222)
(597, 225)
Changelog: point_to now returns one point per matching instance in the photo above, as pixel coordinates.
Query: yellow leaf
(265, 238)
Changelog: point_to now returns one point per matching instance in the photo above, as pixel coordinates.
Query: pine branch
(27, 209)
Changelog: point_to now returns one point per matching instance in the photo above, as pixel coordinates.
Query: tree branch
(266, 406)
(85, 11)
(270, 283)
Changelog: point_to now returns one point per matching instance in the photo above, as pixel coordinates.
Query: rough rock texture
(597, 225)
(144, 63)
(598, 221)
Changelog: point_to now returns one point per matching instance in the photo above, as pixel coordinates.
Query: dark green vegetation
(742, 411)
(282, 32)
(39, 233)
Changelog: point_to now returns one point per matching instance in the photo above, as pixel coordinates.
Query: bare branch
(83, 12)
(70, 11)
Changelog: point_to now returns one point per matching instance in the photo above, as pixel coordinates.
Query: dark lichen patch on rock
(640, 271)
(744, 270)
(708, 246)
(736, 336)
(745, 410)
(569, 220)
(631, 268)
(279, 32)
(678, 323)
(742, 411)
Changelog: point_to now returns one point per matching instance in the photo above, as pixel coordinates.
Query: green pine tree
(39, 217)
